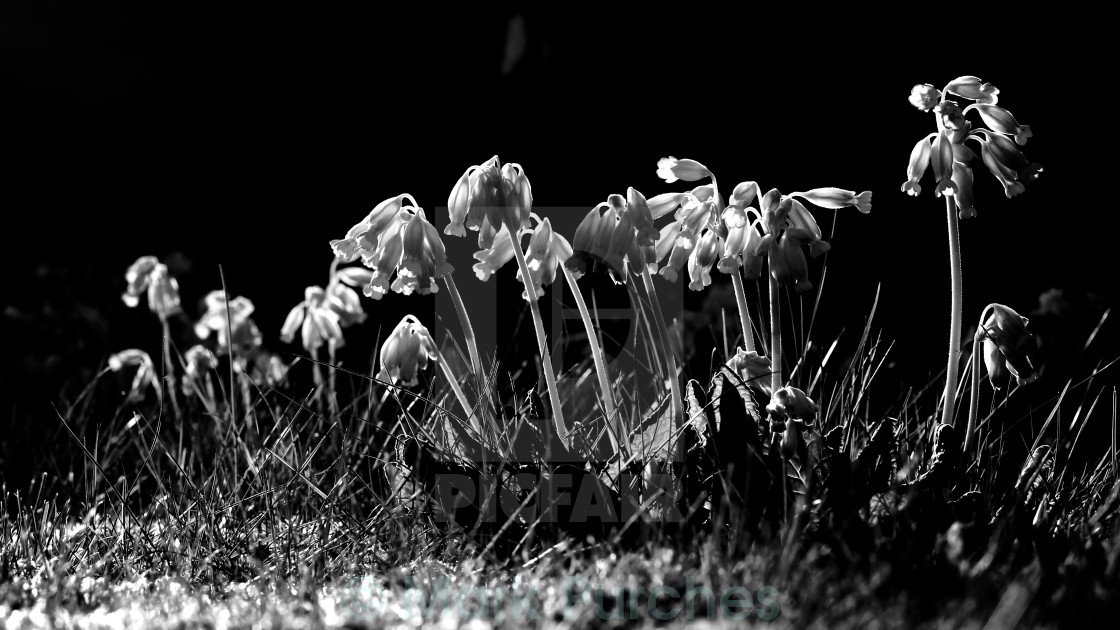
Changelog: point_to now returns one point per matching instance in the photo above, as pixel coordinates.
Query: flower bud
(646, 232)
(752, 367)
(924, 96)
(458, 202)
(744, 194)
(837, 198)
(791, 402)
(950, 116)
(1008, 347)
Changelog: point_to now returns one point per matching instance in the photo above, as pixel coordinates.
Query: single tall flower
(952, 166)
(149, 275)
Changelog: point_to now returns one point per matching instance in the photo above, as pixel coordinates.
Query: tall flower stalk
(951, 160)
(148, 275)
(488, 198)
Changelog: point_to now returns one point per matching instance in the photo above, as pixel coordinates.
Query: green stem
(744, 314)
(670, 360)
(613, 421)
(542, 343)
(775, 331)
(953, 363)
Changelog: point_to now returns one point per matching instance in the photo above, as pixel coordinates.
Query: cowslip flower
(547, 250)
(1008, 347)
(409, 256)
(701, 259)
(998, 144)
(490, 193)
(495, 257)
(149, 275)
(246, 335)
(790, 402)
(315, 319)
(671, 169)
(367, 233)
(145, 371)
(924, 96)
(836, 198)
(752, 367)
(407, 349)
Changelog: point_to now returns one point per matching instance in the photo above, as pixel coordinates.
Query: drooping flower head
(490, 194)
(742, 235)
(145, 371)
(234, 319)
(952, 166)
(401, 247)
(547, 250)
(1008, 347)
(149, 275)
(408, 348)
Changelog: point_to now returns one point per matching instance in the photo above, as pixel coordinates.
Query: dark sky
(251, 137)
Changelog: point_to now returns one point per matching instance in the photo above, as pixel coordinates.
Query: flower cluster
(488, 197)
(402, 248)
(230, 323)
(737, 235)
(408, 348)
(618, 235)
(323, 314)
(149, 275)
(946, 151)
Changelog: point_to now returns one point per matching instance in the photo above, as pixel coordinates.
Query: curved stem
(775, 330)
(974, 393)
(744, 314)
(468, 335)
(953, 363)
(542, 344)
(614, 423)
(670, 361)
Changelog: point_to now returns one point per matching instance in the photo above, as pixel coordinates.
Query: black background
(249, 137)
